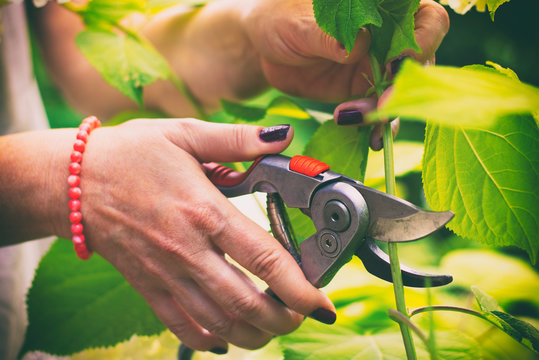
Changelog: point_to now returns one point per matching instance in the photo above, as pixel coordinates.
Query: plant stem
(422, 309)
(389, 169)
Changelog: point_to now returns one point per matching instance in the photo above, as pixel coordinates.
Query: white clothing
(21, 109)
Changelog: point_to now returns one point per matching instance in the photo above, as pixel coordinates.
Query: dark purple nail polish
(324, 315)
(349, 117)
(274, 133)
(219, 350)
(397, 63)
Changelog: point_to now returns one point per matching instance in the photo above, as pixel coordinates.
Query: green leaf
(280, 106)
(493, 5)
(397, 31)
(99, 11)
(344, 149)
(488, 178)
(519, 330)
(313, 341)
(486, 302)
(342, 19)
(74, 305)
(126, 63)
(447, 95)
(243, 112)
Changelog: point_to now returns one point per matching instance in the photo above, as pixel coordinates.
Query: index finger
(265, 257)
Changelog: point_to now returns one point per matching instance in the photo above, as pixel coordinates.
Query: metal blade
(396, 220)
(377, 263)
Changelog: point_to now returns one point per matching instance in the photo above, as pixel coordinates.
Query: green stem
(422, 309)
(389, 169)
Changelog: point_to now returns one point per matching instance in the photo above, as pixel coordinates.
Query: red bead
(76, 156)
(82, 135)
(74, 168)
(76, 229)
(74, 192)
(78, 239)
(83, 254)
(90, 119)
(73, 180)
(75, 217)
(80, 247)
(74, 205)
(85, 127)
(79, 146)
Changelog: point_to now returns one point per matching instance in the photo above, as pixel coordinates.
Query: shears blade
(397, 220)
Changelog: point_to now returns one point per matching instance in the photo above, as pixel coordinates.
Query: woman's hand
(297, 57)
(150, 210)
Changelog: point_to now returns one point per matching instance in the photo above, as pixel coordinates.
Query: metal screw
(328, 243)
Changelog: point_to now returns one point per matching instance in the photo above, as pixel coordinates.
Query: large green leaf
(397, 31)
(343, 18)
(125, 62)
(74, 305)
(488, 178)
(313, 341)
(468, 96)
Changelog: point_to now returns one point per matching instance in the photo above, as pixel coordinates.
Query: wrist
(33, 187)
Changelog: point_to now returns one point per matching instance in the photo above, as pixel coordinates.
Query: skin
(148, 207)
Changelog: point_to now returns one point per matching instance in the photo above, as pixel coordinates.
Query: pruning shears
(348, 216)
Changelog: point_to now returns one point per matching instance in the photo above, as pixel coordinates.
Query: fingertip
(353, 112)
(275, 133)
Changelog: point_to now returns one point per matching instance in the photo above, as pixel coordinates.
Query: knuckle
(221, 327)
(267, 264)
(182, 330)
(257, 342)
(240, 134)
(299, 301)
(245, 307)
(206, 218)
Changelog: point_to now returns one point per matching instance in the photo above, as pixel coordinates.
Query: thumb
(209, 142)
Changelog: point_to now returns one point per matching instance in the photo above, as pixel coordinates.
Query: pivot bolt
(336, 216)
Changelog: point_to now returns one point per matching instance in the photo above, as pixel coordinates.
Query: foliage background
(512, 40)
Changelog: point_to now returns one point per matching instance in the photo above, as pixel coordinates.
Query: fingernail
(349, 117)
(324, 315)
(274, 133)
(219, 350)
(397, 63)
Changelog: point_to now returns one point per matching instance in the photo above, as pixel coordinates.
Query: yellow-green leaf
(489, 179)
(465, 97)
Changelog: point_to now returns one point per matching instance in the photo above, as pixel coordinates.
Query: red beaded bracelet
(75, 217)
